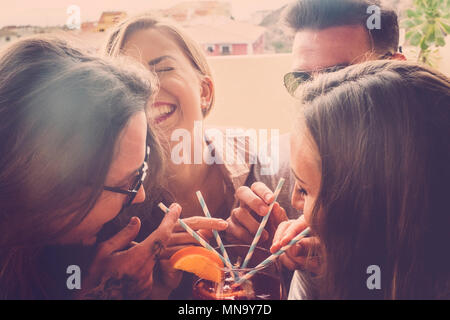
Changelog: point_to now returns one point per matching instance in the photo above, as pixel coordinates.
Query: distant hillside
(278, 37)
(273, 17)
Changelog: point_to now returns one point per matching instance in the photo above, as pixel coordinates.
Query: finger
(181, 238)
(205, 234)
(277, 216)
(197, 222)
(157, 240)
(310, 245)
(248, 198)
(171, 277)
(288, 263)
(239, 233)
(243, 217)
(262, 191)
(294, 229)
(169, 251)
(122, 238)
(279, 234)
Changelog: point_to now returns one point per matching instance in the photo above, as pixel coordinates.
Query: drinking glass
(266, 284)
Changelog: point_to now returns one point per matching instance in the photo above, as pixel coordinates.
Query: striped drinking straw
(216, 235)
(273, 257)
(262, 225)
(194, 234)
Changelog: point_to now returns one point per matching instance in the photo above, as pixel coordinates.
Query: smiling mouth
(161, 112)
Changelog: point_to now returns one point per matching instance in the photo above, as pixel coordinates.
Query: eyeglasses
(137, 183)
(292, 80)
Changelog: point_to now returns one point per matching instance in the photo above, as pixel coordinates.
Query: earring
(204, 103)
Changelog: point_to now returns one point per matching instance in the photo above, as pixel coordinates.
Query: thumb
(122, 238)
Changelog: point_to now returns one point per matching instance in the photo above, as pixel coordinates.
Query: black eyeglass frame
(139, 180)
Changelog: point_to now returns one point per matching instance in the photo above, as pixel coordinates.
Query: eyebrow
(159, 59)
(296, 177)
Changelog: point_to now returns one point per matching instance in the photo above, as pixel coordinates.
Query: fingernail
(133, 221)
(263, 210)
(223, 224)
(268, 197)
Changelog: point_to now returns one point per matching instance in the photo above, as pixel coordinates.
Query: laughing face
(178, 103)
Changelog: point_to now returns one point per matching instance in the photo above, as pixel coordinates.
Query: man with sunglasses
(329, 35)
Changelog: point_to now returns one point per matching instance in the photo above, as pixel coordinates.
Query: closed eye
(301, 191)
(164, 69)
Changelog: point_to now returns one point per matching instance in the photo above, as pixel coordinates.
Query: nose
(297, 201)
(140, 197)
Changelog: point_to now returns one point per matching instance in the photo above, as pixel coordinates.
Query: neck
(186, 179)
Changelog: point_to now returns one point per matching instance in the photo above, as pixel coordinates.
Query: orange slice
(200, 261)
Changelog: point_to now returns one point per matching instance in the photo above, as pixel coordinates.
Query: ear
(207, 90)
(398, 56)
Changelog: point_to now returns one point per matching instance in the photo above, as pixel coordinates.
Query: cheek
(297, 201)
(106, 209)
(307, 210)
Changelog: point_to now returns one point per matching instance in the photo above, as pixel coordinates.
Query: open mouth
(161, 111)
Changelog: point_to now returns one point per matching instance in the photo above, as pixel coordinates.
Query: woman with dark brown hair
(75, 151)
(371, 157)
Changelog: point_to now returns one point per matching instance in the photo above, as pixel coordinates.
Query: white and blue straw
(216, 234)
(194, 234)
(274, 256)
(262, 225)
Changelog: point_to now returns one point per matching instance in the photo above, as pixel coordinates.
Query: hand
(242, 225)
(121, 273)
(169, 278)
(304, 254)
(202, 225)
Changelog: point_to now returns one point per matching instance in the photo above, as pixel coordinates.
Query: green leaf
(423, 45)
(418, 21)
(430, 34)
(411, 14)
(409, 34)
(408, 24)
(440, 42)
(445, 26)
(415, 39)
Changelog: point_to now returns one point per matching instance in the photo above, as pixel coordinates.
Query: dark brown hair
(61, 113)
(322, 14)
(382, 132)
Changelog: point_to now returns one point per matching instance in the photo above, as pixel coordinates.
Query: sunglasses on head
(136, 184)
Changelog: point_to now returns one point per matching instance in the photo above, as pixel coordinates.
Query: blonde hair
(124, 30)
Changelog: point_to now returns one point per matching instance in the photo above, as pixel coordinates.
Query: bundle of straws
(224, 256)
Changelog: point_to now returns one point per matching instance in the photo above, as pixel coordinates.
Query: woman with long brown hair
(371, 156)
(75, 151)
(185, 98)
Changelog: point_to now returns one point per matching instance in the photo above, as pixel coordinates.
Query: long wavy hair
(61, 112)
(382, 130)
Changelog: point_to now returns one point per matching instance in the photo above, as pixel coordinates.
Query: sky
(54, 12)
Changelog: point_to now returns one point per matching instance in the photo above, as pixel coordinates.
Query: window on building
(210, 48)
(225, 49)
